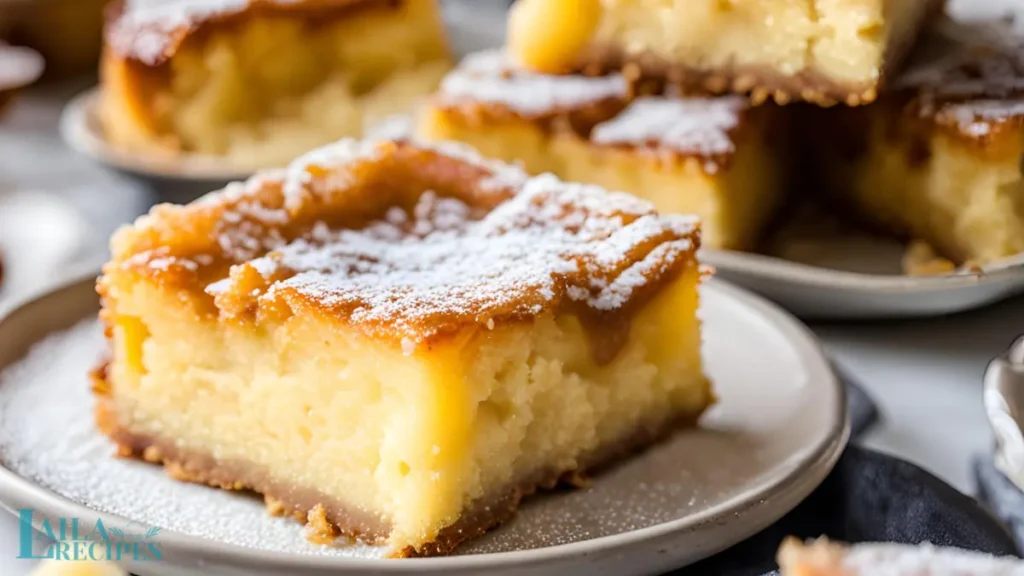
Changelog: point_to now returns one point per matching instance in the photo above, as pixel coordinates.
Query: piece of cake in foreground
(400, 340)
(259, 82)
(820, 51)
(824, 558)
(718, 158)
(938, 159)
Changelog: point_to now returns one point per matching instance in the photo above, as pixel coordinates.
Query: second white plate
(814, 292)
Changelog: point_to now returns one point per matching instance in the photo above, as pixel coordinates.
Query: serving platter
(778, 429)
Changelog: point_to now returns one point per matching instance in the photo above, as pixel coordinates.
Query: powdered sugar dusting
(926, 560)
(421, 271)
(976, 118)
(971, 76)
(690, 126)
(490, 77)
(147, 29)
(76, 461)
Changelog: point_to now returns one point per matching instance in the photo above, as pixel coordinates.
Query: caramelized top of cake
(407, 242)
(150, 31)
(968, 78)
(603, 109)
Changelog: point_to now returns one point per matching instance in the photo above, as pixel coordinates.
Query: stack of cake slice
(893, 112)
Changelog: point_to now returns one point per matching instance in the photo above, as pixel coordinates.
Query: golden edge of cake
(594, 292)
(819, 52)
(717, 157)
(229, 77)
(824, 558)
(938, 159)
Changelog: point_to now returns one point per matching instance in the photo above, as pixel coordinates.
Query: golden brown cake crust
(324, 516)
(649, 118)
(760, 82)
(967, 79)
(406, 242)
(150, 34)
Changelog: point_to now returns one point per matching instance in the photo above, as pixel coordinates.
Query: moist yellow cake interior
(354, 418)
(270, 87)
(843, 43)
(965, 200)
(938, 159)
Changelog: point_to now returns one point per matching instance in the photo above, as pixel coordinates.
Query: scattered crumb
(275, 507)
(319, 529)
(152, 454)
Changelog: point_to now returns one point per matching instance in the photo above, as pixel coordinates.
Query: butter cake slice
(398, 342)
(718, 158)
(939, 158)
(259, 82)
(824, 558)
(821, 51)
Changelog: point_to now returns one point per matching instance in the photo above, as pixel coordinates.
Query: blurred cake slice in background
(820, 51)
(938, 159)
(718, 157)
(824, 558)
(261, 82)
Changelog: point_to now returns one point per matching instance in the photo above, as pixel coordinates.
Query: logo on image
(72, 539)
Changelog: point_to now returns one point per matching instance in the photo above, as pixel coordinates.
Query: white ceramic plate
(777, 431)
(80, 127)
(817, 292)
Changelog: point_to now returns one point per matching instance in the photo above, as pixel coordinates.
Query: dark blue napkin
(863, 412)
(870, 497)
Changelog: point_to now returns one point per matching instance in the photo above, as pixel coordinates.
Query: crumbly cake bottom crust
(762, 82)
(326, 516)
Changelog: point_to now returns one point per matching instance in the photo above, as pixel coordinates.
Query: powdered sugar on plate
(47, 435)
